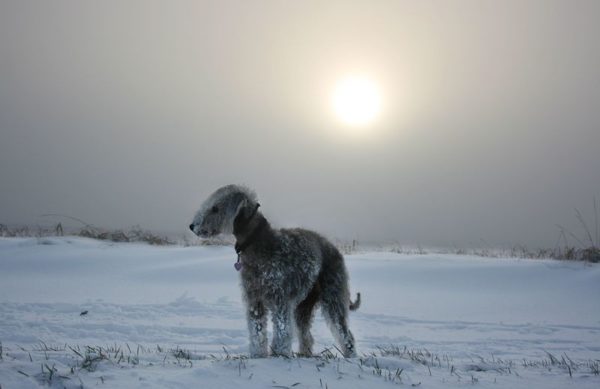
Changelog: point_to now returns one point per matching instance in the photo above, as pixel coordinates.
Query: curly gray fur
(286, 272)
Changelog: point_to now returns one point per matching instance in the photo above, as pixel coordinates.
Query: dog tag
(238, 264)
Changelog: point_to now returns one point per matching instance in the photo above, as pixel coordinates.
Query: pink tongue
(237, 265)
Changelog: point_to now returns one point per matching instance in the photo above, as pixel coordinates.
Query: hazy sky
(132, 112)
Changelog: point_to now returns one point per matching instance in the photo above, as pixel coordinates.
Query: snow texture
(173, 317)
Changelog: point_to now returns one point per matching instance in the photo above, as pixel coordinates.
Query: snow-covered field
(173, 317)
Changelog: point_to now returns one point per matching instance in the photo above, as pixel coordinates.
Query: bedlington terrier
(284, 271)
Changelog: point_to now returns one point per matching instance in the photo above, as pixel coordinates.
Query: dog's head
(219, 212)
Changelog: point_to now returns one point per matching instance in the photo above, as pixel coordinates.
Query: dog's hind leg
(335, 299)
(334, 304)
(304, 316)
(336, 313)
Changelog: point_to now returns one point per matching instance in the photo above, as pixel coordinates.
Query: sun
(356, 101)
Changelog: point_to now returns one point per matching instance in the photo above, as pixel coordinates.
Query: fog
(125, 113)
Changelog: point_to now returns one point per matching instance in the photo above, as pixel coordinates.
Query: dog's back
(320, 254)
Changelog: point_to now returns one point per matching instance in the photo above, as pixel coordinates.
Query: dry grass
(133, 234)
(65, 365)
(586, 246)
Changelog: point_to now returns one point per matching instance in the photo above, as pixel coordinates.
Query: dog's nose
(192, 226)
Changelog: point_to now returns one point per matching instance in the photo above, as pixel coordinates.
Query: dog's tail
(356, 304)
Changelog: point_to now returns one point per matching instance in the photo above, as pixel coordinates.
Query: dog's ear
(241, 215)
(245, 211)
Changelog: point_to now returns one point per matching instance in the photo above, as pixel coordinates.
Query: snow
(173, 317)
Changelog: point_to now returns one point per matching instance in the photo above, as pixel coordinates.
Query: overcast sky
(132, 112)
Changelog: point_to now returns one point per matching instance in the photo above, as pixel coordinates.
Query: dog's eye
(214, 209)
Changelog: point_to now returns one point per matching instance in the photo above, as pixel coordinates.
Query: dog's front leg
(282, 330)
(257, 328)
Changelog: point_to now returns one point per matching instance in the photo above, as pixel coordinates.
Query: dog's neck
(248, 231)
